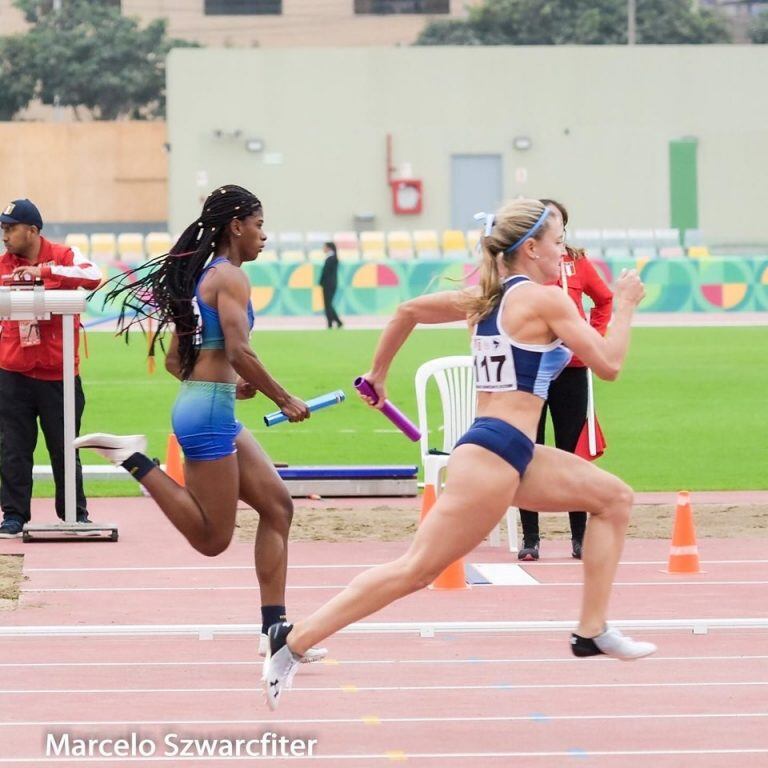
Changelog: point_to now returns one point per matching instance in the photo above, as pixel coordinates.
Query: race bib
(494, 367)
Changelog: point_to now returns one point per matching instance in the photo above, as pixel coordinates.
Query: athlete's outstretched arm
(442, 307)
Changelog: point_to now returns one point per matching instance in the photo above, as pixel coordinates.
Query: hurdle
(33, 302)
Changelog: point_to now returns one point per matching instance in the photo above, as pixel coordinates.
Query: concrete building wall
(599, 120)
(11, 18)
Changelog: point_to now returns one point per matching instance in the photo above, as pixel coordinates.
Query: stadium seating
(400, 245)
(426, 244)
(103, 247)
(454, 244)
(130, 247)
(473, 240)
(585, 238)
(347, 246)
(157, 243)
(314, 243)
(616, 244)
(79, 241)
(373, 246)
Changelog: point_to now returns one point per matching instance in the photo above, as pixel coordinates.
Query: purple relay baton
(396, 416)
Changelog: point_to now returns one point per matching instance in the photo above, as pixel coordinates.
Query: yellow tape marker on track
(371, 720)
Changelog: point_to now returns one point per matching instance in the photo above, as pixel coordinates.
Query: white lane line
(384, 688)
(393, 720)
(334, 662)
(397, 756)
(150, 568)
(666, 584)
(249, 587)
(337, 566)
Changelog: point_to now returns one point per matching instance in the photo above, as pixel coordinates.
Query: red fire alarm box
(407, 195)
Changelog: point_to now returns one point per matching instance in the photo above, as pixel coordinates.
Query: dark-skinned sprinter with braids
(200, 292)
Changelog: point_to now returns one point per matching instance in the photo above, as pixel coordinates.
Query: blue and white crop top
(505, 365)
(210, 334)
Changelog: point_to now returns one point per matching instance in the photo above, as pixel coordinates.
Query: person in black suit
(329, 282)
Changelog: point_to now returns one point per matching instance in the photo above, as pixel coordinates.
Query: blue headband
(530, 233)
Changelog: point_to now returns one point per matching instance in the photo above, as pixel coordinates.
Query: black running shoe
(529, 551)
(576, 546)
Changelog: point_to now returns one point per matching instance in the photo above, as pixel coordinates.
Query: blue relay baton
(321, 401)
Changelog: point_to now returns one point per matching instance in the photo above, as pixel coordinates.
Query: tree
(17, 83)
(88, 56)
(578, 22)
(758, 30)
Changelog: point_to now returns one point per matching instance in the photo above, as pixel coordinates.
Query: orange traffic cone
(173, 463)
(684, 553)
(453, 577)
(428, 499)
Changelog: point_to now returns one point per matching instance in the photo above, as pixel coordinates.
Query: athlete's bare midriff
(520, 409)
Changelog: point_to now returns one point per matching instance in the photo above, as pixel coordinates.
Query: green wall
(672, 285)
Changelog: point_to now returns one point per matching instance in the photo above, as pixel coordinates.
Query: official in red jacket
(568, 393)
(31, 367)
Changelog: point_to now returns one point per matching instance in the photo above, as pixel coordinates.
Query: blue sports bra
(505, 365)
(211, 335)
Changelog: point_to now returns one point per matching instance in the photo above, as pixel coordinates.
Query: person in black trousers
(32, 367)
(329, 282)
(568, 393)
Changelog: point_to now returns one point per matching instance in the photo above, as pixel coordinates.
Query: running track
(463, 699)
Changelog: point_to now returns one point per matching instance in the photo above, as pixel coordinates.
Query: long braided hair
(162, 290)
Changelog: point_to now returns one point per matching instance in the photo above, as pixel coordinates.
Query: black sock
(138, 465)
(271, 614)
(584, 646)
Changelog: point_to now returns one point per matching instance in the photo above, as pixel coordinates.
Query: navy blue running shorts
(500, 438)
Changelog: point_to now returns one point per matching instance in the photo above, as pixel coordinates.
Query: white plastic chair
(455, 379)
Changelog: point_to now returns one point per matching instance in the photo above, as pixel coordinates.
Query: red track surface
(454, 700)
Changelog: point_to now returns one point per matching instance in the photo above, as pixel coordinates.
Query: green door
(683, 184)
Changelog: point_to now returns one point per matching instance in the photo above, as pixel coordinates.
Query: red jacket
(582, 278)
(65, 269)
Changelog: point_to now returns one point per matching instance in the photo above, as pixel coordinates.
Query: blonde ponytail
(514, 221)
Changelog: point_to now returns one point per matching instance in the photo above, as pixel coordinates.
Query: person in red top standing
(568, 393)
(32, 367)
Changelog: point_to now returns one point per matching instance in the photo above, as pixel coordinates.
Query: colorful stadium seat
(400, 245)
(426, 244)
(130, 247)
(454, 244)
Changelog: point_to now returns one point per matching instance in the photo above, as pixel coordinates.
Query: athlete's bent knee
(213, 546)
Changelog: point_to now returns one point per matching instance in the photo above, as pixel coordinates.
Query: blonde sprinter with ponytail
(522, 336)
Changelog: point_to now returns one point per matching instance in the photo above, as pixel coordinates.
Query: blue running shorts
(203, 419)
(500, 438)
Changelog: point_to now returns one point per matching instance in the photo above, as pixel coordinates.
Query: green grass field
(688, 411)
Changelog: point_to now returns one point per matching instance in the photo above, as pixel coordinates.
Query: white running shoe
(611, 643)
(312, 655)
(280, 665)
(115, 448)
